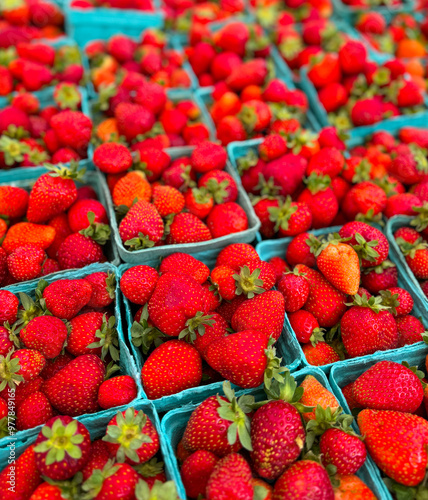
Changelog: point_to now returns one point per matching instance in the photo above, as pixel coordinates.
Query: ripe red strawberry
(35, 410)
(151, 161)
(167, 200)
(9, 307)
(21, 365)
(295, 289)
(98, 457)
(187, 228)
(126, 431)
(299, 252)
(208, 430)
(74, 389)
(290, 218)
(103, 289)
(78, 214)
(172, 367)
(253, 72)
(277, 437)
(236, 255)
(113, 479)
(65, 298)
(227, 218)
(231, 478)
(199, 202)
(305, 326)
(320, 354)
(364, 198)
(176, 299)
(410, 330)
(368, 327)
(416, 256)
(207, 333)
(380, 277)
(398, 300)
(186, 264)
(25, 262)
(27, 477)
(138, 283)
(395, 440)
(208, 156)
(350, 486)
(264, 313)
(47, 334)
(133, 120)
(112, 158)
(305, 477)
(345, 451)
(88, 329)
(142, 226)
(196, 470)
(221, 185)
(13, 202)
(68, 455)
(78, 251)
(321, 200)
(325, 302)
(388, 386)
(117, 391)
(272, 147)
(25, 233)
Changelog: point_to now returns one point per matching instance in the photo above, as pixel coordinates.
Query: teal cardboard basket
(46, 99)
(271, 248)
(126, 361)
(25, 180)
(175, 421)
(345, 373)
(84, 25)
(96, 425)
(321, 115)
(394, 223)
(142, 256)
(286, 347)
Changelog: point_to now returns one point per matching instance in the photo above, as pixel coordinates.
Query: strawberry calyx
(316, 183)
(317, 336)
(248, 161)
(61, 440)
(403, 492)
(420, 222)
(13, 150)
(386, 264)
(71, 172)
(248, 117)
(304, 138)
(235, 411)
(410, 249)
(374, 303)
(202, 196)
(127, 433)
(69, 489)
(67, 96)
(290, 47)
(31, 308)
(217, 190)
(196, 326)
(108, 336)
(362, 171)
(150, 469)
(9, 369)
(365, 249)
(340, 120)
(248, 283)
(369, 217)
(105, 93)
(267, 187)
(420, 157)
(167, 491)
(273, 370)
(37, 157)
(140, 242)
(111, 369)
(111, 284)
(390, 300)
(98, 232)
(93, 485)
(332, 239)
(282, 214)
(15, 132)
(188, 182)
(156, 130)
(419, 373)
(314, 243)
(4, 425)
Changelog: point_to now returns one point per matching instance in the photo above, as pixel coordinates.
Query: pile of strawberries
(355, 91)
(296, 444)
(361, 4)
(63, 462)
(52, 226)
(25, 20)
(143, 5)
(149, 57)
(189, 311)
(139, 113)
(32, 134)
(58, 350)
(270, 13)
(391, 399)
(187, 200)
(31, 66)
(377, 315)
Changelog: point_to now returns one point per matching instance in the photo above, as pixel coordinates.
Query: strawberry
(402, 204)
(209, 427)
(299, 252)
(290, 218)
(368, 327)
(47, 334)
(73, 390)
(295, 289)
(325, 302)
(199, 202)
(69, 454)
(320, 354)
(27, 233)
(175, 302)
(375, 279)
(187, 228)
(401, 388)
(98, 456)
(410, 330)
(208, 156)
(9, 307)
(13, 202)
(196, 470)
(227, 218)
(132, 186)
(264, 313)
(27, 477)
(112, 158)
(78, 214)
(65, 298)
(231, 478)
(305, 326)
(220, 185)
(364, 198)
(103, 289)
(351, 487)
(305, 477)
(73, 129)
(416, 256)
(400, 451)
(182, 369)
(167, 200)
(314, 394)
(117, 391)
(133, 120)
(236, 255)
(253, 72)
(114, 479)
(321, 200)
(137, 446)
(54, 366)
(25, 262)
(398, 300)
(138, 283)
(280, 267)
(78, 250)
(142, 226)
(186, 264)
(351, 456)
(35, 410)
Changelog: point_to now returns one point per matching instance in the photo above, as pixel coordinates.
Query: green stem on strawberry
(196, 325)
(365, 249)
(111, 369)
(127, 433)
(98, 232)
(409, 249)
(317, 336)
(374, 303)
(420, 222)
(69, 489)
(109, 341)
(13, 150)
(150, 469)
(281, 214)
(72, 172)
(140, 242)
(61, 440)
(145, 335)
(248, 283)
(159, 491)
(67, 96)
(9, 369)
(327, 419)
(390, 300)
(267, 187)
(273, 370)
(248, 161)
(93, 485)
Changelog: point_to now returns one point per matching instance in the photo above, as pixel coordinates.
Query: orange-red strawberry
(345, 451)
(231, 478)
(397, 442)
(321, 200)
(208, 156)
(320, 354)
(351, 487)
(172, 367)
(47, 334)
(364, 198)
(236, 255)
(35, 410)
(78, 214)
(199, 202)
(295, 289)
(196, 470)
(65, 298)
(227, 218)
(25, 262)
(186, 264)
(187, 228)
(27, 477)
(167, 200)
(103, 289)
(138, 283)
(314, 394)
(142, 226)
(117, 391)
(133, 186)
(113, 478)
(112, 158)
(13, 202)
(27, 233)
(73, 129)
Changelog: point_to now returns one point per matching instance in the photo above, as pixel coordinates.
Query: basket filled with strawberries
(118, 454)
(277, 443)
(187, 200)
(345, 295)
(63, 349)
(224, 292)
(388, 390)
